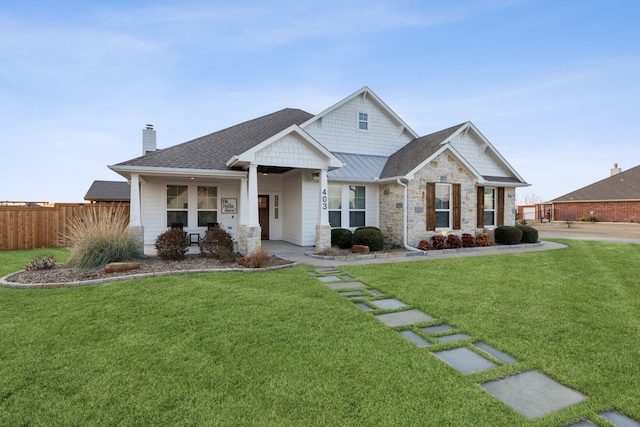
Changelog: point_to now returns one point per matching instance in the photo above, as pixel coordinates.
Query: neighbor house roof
(622, 186)
(214, 150)
(109, 191)
(415, 152)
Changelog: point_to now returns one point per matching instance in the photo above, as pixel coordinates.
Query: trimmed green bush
(508, 235)
(529, 234)
(99, 236)
(341, 237)
(215, 241)
(368, 236)
(172, 244)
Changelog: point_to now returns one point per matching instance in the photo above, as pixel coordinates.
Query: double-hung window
(443, 205)
(357, 206)
(207, 205)
(489, 207)
(177, 205)
(363, 121)
(335, 205)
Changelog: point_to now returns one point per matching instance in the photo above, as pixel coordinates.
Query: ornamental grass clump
(100, 235)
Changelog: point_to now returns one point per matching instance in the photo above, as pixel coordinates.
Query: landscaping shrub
(508, 235)
(172, 244)
(368, 236)
(341, 237)
(438, 241)
(454, 241)
(258, 258)
(214, 241)
(529, 234)
(99, 236)
(483, 239)
(41, 263)
(468, 241)
(424, 245)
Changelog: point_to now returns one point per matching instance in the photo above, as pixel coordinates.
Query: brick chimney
(616, 170)
(148, 139)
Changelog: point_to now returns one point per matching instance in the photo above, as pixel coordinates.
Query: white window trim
(215, 209)
(448, 227)
(166, 205)
(345, 210)
(494, 209)
(353, 227)
(358, 121)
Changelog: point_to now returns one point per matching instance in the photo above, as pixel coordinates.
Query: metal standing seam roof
(214, 150)
(358, 167)
(108, 191)
(622, 186)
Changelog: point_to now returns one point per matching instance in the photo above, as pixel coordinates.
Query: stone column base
(249, 239)
(323, 238)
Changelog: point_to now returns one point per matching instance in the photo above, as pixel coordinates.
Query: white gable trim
(487, 147)
(250, 156)
(365, 92)
(455, 154)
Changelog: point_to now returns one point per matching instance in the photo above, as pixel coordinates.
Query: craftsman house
(292, 176)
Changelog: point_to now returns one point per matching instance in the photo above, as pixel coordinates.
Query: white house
(292, 176)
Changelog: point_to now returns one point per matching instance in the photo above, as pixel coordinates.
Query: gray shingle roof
(109, 191)
(622, 186)
(214, 150)
(415, 152)
(358, 166)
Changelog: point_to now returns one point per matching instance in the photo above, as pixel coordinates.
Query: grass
(281, 349)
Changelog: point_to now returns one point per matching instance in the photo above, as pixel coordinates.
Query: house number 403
(324, 199)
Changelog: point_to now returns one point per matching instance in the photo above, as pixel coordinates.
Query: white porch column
(323, 229)
(323, 212)
(135, 219)
(254, 221)
(243, 202)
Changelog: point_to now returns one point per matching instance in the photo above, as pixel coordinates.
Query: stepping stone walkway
(529, 393)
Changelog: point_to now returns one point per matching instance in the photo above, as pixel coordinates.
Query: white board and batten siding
(154, 214)
(338, 130)
(292, 208)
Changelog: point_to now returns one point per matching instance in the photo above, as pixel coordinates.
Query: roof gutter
(405, 220)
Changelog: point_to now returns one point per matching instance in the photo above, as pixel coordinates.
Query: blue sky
(554, 85)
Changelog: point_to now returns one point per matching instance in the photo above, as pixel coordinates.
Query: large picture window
(357, 206)
(489, 207)
(443, 206)
(177, 205)
(207, 205)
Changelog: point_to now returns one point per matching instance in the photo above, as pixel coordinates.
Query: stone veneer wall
(443, 169)
(249, 239)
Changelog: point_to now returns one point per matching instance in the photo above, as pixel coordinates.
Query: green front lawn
(279, 348)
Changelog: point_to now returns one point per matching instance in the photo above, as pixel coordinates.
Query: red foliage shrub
(438, 241)
(468, 241)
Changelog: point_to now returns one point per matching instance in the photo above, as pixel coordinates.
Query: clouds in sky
(553, 85)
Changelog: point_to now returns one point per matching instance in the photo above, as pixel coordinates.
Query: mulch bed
(61, 274)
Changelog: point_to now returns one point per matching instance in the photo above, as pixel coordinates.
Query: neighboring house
(292, 176)
(109, 192)
(613, 199)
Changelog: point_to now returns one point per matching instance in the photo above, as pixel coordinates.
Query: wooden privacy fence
(32, 227)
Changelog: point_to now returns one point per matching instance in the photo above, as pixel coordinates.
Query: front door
(263, 215)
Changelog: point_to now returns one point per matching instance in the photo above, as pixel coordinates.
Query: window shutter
(431, 206)
(480, 216)
(500, 206)
(457, 206)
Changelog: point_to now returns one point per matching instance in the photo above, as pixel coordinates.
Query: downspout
(405, 219)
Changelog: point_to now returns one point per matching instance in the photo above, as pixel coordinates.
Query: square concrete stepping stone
(618, 420)
(313, 273)
(464, 360)
(326, 279)
(533, 394)
(436, 328)
(503, 357)
(582, 423)
(388, 304)
(326, 270)
(402, 318)
(376, 292)
(364, 307)
(452, 338)
(346, 285)
(415, 338)
(352, 293)
(346, 277)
